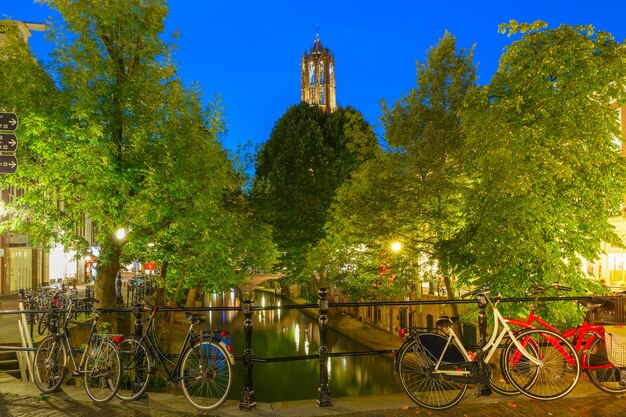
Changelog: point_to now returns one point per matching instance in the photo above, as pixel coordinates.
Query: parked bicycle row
(56, 296)
(113, 365)
(527, 356)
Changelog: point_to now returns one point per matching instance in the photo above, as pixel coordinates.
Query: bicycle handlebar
(536, 289)
(483, 291)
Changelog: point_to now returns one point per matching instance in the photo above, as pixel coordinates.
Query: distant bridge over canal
(254, 280)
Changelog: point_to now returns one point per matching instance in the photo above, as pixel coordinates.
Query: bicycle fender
(230, 357)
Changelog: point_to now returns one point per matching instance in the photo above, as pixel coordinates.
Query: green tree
(413, 192)
(546, 167)
(308, 155)
(120, 139)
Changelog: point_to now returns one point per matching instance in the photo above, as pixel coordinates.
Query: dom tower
(318, 77)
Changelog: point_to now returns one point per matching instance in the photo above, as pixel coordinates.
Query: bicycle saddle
(443, 321)
(195, 318)
(592, 304)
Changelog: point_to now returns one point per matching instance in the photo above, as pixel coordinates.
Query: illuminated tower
(318, 77)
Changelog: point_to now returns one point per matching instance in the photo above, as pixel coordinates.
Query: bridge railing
(248, 358)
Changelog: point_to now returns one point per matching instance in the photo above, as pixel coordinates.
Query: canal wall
(377, 327)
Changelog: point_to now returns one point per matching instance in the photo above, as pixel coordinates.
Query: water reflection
(280, 333)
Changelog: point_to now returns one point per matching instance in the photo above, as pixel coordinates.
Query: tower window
(311, 72)
(322, 72)
(322, 97)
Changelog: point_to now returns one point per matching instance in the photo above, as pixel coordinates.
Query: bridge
(254, 280)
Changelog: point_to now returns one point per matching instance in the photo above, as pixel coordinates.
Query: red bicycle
(587, 339)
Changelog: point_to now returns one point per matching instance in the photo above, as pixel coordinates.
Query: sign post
(8, 142)
(8, 164)
(8, 121)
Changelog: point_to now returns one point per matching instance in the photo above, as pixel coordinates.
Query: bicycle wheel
(206, 375)
(42, 323)
(416, 364)
(500, 382)
(136, 366)
(602, 373)
(555, 375)
(50, 364)
(102, 371)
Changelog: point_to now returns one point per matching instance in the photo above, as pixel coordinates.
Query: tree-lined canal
(291, 332)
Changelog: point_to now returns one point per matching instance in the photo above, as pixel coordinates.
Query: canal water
(290, 332)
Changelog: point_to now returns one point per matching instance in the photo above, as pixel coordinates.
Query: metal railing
(248, 358)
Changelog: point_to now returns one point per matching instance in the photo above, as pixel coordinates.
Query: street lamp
(120, 234)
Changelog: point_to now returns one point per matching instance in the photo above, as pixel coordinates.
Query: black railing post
(247, 401)
(324, 390)
(482, 322)
(138, 312)
(482, 389)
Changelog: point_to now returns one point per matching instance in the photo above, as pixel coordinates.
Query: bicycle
(29, 302)
(100, 364)
(435, 368)
(203, 368)
(588, 341)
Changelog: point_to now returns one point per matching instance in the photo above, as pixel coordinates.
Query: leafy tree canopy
(308, 155)
(546, 165)
(412, 193)
(118, 140)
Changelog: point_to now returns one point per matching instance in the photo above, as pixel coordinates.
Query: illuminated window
(311, 72)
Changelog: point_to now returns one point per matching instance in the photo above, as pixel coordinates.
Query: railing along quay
(248, 358)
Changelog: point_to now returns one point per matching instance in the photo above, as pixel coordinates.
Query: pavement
(22, 399)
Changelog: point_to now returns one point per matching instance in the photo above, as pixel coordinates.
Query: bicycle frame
(487, 351)
(582, 335)
(63, 336)
(149, 338)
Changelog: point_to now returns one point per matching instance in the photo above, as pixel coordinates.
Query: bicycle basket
(615, 338)
(612, 312)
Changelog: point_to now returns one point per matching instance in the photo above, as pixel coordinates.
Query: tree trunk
(104, 287)
(159, 298)
(454, 309)
(192, 296)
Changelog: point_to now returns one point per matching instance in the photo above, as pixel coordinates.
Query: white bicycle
(435, 368)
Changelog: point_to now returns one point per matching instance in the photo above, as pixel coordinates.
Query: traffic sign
(8, 121)
(8, 142)
(8, 164)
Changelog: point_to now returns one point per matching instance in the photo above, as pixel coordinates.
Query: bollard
(324, 390)
(247, 395)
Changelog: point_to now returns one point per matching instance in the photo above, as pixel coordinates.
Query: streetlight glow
(120, 234)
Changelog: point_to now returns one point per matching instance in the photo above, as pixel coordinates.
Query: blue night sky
(248, 52)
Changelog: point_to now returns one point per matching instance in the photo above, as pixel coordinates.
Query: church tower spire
(318, 77)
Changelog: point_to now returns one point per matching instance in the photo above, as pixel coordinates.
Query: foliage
(308, 155)
(117, 140)
(546, 167)
(413, 193)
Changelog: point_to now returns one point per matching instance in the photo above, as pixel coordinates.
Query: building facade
(318, 77)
